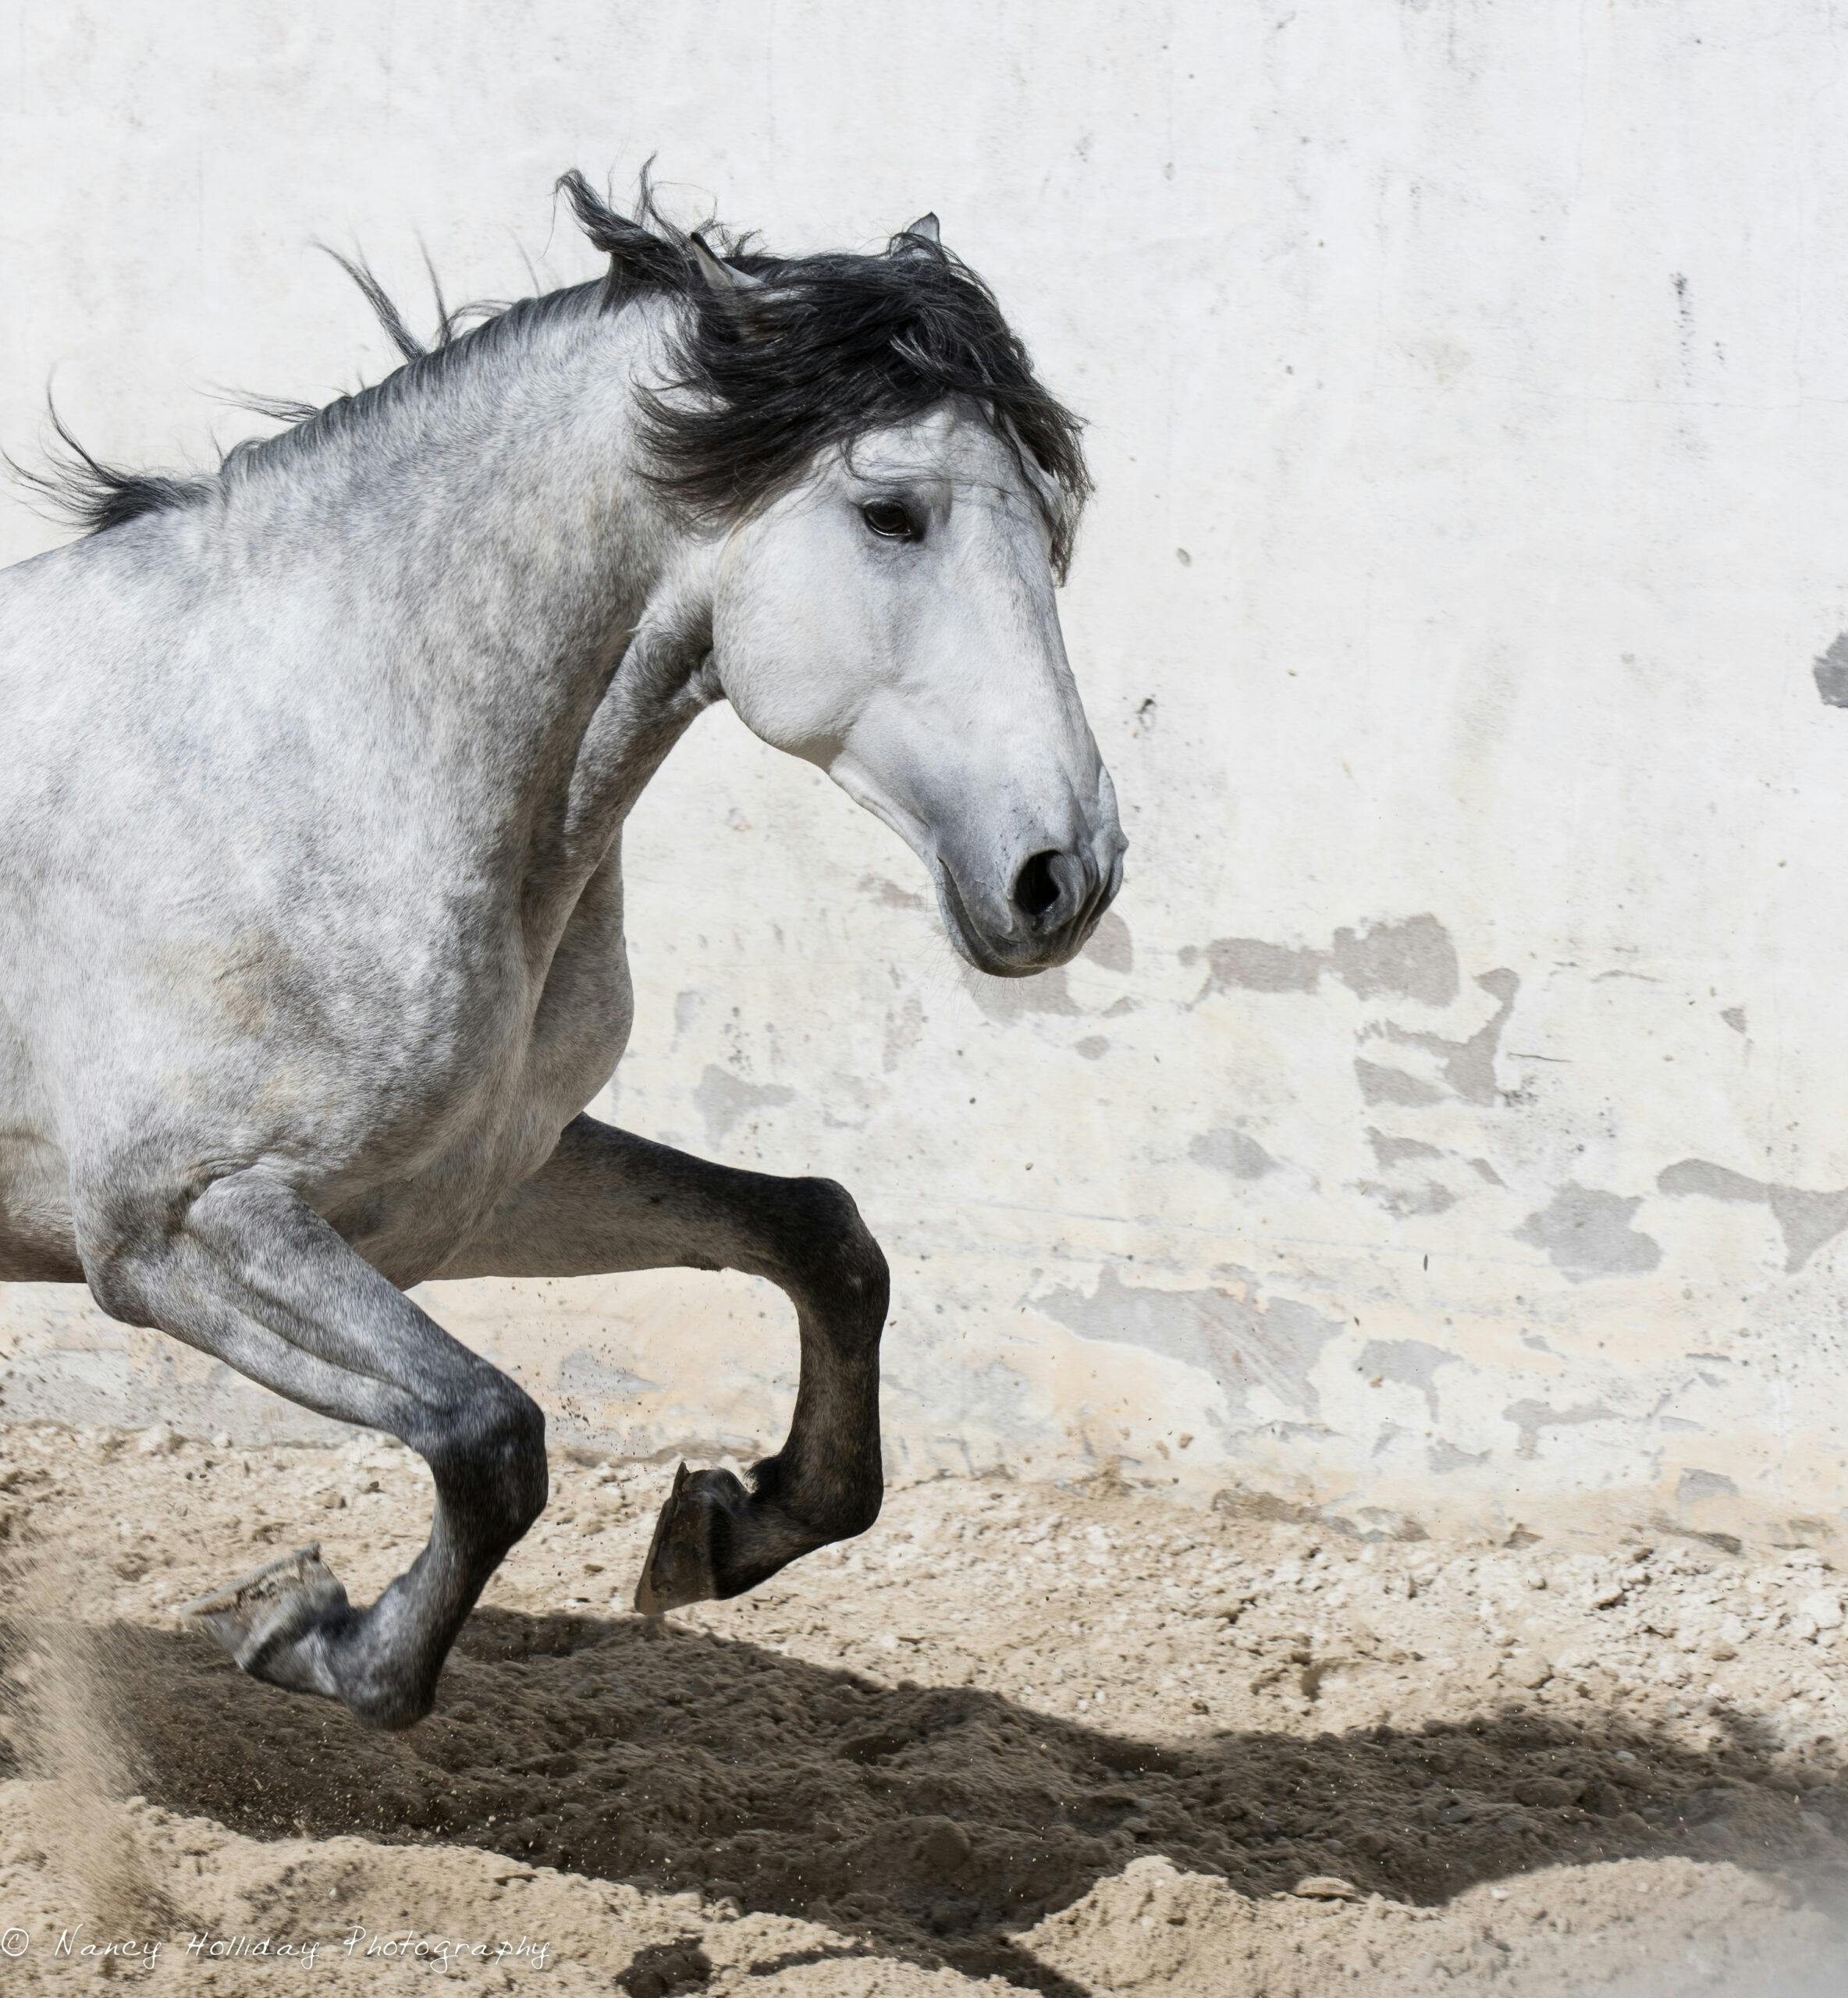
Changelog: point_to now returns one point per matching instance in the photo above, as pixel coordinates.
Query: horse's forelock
(822, 349)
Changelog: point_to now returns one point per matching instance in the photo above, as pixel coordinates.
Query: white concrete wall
(1453, 1128)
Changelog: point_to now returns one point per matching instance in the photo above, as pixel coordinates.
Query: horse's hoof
(258, 1617)
(681, 1567)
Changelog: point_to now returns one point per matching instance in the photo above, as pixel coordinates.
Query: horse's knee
(839, 1263)
(489, 1457)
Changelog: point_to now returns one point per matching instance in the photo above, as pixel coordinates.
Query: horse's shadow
(934, 1822)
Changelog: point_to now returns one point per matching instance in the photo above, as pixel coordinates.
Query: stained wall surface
(1450, 1128)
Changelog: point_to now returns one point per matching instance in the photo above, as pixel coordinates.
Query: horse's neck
(513, 573)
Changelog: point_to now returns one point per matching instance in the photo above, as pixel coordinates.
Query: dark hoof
(260, 1618)
(684, 1558)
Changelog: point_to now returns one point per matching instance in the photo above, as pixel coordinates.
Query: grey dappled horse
(313, 773)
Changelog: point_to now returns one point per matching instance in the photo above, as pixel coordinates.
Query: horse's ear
(731, 287)
(926, 230)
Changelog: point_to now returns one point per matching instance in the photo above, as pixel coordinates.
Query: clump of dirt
(1075, 1741)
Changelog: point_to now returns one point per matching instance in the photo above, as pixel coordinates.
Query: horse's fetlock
(389, 1704)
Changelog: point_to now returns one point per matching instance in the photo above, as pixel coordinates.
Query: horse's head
(895, 494)
(893, 620)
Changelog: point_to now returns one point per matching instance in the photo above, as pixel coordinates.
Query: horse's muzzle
(1054, 900)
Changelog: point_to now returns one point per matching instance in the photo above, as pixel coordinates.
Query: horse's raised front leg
(607, 1201)
(246, 1272)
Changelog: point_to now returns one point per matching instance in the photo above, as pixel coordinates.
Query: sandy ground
(1082, 1741)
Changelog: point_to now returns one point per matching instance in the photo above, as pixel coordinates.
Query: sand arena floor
(1082, 1741)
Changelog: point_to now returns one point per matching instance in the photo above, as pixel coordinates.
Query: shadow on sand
(931, 1822)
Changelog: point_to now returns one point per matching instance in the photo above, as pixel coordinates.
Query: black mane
(823, 350)
(820, 351)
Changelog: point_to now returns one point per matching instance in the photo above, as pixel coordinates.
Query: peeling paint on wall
(1534, 1419)
(1112, 945)
(1430, 1197)
(1411, 1363)
(1807, 1219)
(1230, 1151)
(723, 1099)
(1831, 674)
(1694, 1487)
(1467, 1067)
(1380, 1084)
(1413, 959)
(1244, 1349)
(1587, 1233)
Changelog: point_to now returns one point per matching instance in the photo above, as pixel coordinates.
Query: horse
(313, 777)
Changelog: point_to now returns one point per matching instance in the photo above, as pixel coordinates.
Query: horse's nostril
(1037, 887)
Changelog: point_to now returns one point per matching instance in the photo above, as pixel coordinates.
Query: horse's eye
(890, 521)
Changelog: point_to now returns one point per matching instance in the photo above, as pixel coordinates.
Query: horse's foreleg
(607, 1201)
(249, 1274)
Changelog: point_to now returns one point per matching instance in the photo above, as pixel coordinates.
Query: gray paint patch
(1389, 1151)
(1697, 1485)
(1093, 1047)
(1442, 1457)
(1831, 674)
(1409, 1364)
(888, 894)
(1531, 1417)
(1468, 1066)
(723, 1098)
(1112, 945)
(1717, 1182)
(1806, 1218)
(1228, 1150)
(1405, 1201)
(1413, 959)
(1241, 1344)
(1734, 1017)
(1807, 1221)
(1381, 1085)
(1253, 965)
(1586, 1233)
(1389, 1434)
